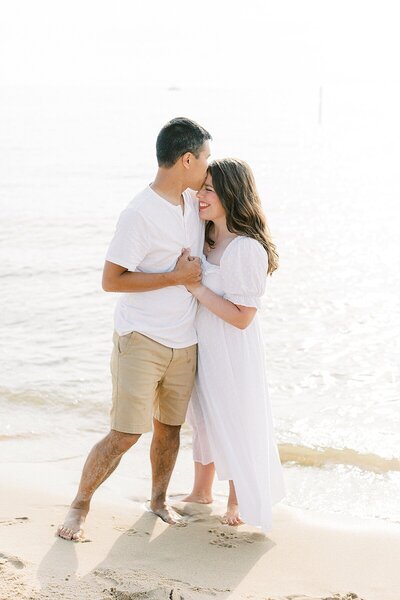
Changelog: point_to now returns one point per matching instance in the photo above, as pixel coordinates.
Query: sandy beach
(128, 553)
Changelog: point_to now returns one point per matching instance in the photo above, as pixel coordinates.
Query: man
(154, 357)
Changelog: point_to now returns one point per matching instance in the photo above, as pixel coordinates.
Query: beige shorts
(149, 380)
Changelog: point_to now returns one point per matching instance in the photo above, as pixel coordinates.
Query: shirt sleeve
(244, 272)
(130, 244)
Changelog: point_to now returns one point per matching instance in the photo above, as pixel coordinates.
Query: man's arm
(118, 279)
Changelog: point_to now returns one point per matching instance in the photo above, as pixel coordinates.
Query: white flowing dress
(229, 410)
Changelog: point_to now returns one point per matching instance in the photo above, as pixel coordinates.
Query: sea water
(70, 161)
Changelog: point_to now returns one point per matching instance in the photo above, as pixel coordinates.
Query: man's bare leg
(202, 487)
(163, 452)
(232, 515)
(103, 459)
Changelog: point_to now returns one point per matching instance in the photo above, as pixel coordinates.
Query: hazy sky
(226, 42)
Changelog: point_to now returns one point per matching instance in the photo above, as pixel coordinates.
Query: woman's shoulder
(244, 259)
(244, 267)
(243, 245)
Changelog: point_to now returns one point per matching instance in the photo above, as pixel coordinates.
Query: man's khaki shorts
(149, 380)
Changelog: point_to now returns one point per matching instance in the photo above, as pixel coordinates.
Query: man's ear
(186, 159)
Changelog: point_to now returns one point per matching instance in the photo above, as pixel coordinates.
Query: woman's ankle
(199, 496)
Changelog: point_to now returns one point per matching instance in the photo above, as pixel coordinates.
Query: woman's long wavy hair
(234, 184)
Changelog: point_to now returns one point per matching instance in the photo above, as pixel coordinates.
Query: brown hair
(234, 184)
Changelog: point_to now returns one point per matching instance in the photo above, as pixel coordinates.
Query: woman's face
(210, 206)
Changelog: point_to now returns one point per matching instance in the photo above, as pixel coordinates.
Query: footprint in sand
(138, 499)
(15, 521)
(233, 539)
(12, 560)
(165, 593)
(130, 531)
(141, 585)
(348, 596)
(224, 539)
(145, 585)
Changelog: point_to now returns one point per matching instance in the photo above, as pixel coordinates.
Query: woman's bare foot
(72, 528)
(166, 513)
(199, 498)
(202, 488)
(232, 516)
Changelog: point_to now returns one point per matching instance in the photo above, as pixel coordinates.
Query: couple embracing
(191, 267)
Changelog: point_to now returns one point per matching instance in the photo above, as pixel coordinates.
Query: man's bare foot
(232, 515)
(71, 529)
(199, 498)
(166, 513)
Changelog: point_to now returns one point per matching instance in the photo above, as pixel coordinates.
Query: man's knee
(164, 431)
(121, 442)
(173, 429)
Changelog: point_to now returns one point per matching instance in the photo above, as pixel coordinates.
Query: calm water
(71, 159)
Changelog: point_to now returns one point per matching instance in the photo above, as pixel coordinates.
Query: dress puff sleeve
(243, 270)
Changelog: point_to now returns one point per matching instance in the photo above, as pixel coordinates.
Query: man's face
(198, 170)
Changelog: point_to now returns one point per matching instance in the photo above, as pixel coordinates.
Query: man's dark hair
(177, 137)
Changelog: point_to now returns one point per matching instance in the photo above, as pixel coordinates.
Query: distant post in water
(320, 106)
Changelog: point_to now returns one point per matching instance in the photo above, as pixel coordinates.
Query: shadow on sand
(153, 561)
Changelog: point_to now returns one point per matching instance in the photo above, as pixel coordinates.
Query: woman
(229, 410)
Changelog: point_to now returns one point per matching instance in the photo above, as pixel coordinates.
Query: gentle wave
(19, 436)
(320, 457)
(34, 398)
(55, 401)
(58, 404)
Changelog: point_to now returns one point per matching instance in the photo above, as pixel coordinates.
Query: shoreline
(134, 555)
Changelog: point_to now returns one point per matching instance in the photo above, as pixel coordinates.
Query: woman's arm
(238, 316)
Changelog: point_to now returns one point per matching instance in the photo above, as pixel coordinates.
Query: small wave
(28, 414)
(55, 400)
(27, 397)
(19, 436)
(320, 457)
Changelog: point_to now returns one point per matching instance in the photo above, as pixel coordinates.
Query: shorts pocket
(124, 342)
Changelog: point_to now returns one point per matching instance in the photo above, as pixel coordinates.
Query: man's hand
(187, 269)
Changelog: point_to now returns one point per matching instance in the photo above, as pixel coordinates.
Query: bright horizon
(226, 43)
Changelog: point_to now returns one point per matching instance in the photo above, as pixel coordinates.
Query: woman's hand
(194, 288)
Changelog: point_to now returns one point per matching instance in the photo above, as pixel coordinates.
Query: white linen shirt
(149, 238)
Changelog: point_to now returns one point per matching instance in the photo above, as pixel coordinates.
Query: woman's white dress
(229, 410)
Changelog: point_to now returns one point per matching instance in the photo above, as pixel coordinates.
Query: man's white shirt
(149, 238)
